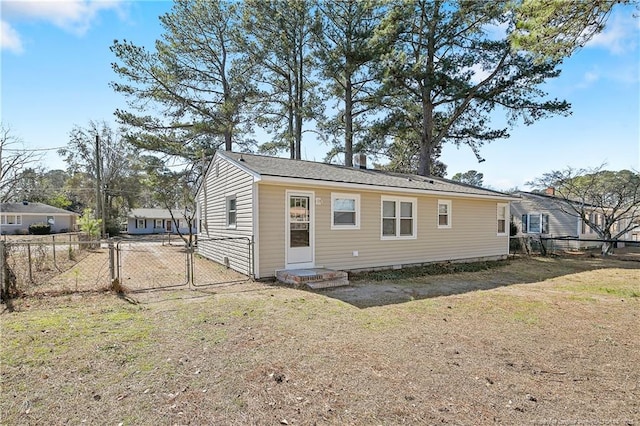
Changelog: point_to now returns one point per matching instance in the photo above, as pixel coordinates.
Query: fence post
(190, 266)
(4, 281)
(29, 261)
(53, 244)
(112, 262)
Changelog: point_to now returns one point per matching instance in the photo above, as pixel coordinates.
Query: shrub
(39, 228)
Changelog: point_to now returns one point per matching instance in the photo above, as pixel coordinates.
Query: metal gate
(152, 264)
(149, 264)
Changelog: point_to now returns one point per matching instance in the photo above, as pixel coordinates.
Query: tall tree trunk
(299, 96)
(227, 140)
(426, 139)
(290, 113)
(348, 122)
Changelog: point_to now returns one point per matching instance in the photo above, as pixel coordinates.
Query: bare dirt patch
(537, 341)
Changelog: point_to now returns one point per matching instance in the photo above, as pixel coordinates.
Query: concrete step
(314, 278)
(339, 282)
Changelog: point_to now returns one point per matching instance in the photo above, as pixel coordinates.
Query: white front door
(299, 233)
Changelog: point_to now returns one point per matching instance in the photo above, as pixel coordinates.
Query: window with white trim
(444, 213)
(232, 211)
(11, 219)
(535, 223)
(158, 223)
(502, 218)
(398, 218)
(345, 211)
(141, 223)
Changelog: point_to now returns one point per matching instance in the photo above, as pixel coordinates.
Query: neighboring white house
(157, 221)
(301, 214)
(15, 218)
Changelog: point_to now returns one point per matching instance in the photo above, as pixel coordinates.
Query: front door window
(299, 221)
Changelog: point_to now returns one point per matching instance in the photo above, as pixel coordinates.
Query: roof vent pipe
(360, 160)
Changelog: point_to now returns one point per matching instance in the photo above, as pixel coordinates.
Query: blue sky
(55, 73)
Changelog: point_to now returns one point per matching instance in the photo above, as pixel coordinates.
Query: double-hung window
(232, 211)
(502, 218)
(11, 219)
(345, 211)
(158, 223)
(444, 213)
(399, 218)
(535, 223)
(141, 224)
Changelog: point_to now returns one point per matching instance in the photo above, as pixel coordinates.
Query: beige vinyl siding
(271, 205)
(473, 233)
(225, 179)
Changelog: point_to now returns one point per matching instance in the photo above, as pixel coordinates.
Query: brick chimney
(360, 160)
(550, 191)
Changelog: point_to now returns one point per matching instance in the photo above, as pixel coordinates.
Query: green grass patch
(617, 289)
(38, 338)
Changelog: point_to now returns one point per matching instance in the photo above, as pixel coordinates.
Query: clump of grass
(117, 287)
(443, 268)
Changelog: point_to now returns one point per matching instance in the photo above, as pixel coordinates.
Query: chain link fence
(66, 264)
(546, 245)
(53, 264)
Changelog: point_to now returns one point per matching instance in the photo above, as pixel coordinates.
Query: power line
(33, 149)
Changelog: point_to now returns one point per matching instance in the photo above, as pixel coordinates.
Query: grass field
(530, 341)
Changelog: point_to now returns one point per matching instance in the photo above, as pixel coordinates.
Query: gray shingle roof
(309, 170)
(33, 208)
(154, 213)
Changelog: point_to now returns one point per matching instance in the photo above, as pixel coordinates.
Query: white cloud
(74, 16)
(619, 36)
(9, 38)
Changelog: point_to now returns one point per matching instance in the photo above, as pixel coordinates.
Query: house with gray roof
(157, 221)
(15, 218)
(262, 215)
(543, 214)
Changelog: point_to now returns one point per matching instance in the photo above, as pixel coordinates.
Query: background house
(542, 214)
(157, 221)
(15, 218)
(300, 214)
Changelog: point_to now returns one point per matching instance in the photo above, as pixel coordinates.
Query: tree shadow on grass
(392, 287)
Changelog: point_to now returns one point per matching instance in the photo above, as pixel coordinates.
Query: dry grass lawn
(535, 341)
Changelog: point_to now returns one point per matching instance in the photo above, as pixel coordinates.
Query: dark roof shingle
(300, 169)
(33, 208)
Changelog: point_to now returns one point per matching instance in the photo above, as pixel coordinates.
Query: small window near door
(444, 214)
(345, 211)
(232, 211)
(502, 219)
(158, 223)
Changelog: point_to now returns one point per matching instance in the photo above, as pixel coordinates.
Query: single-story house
(301, 214)
(15, 218)
(157, 221)
(542, 214)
